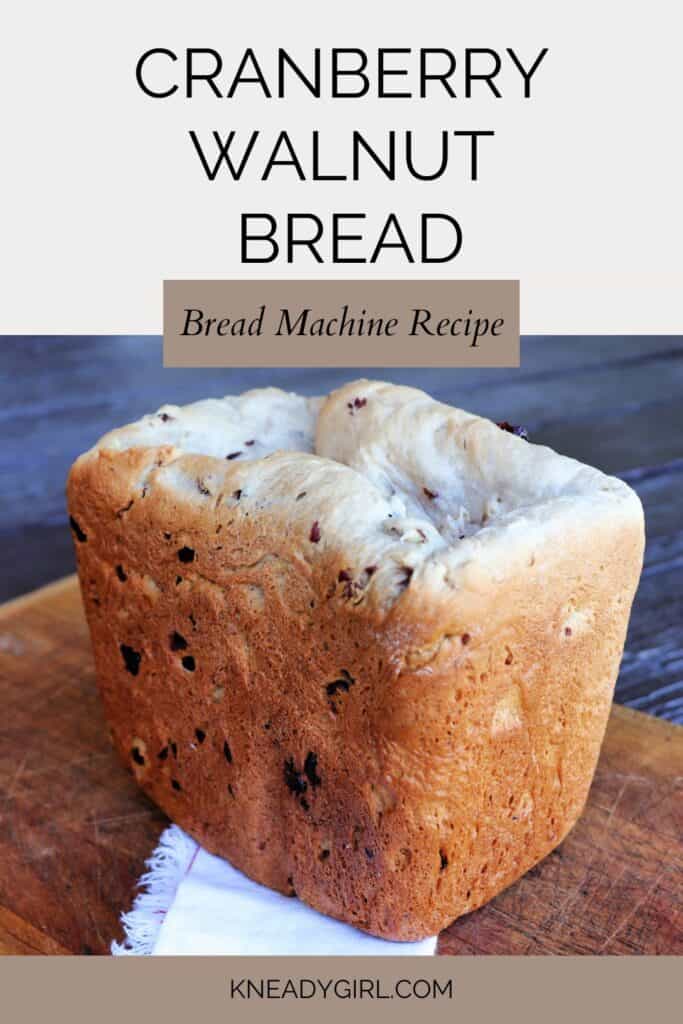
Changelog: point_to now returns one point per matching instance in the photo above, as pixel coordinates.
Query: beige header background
(103, 197)
(485, 313)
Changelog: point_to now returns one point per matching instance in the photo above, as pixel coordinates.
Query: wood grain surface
(611, 401)
(75, 830)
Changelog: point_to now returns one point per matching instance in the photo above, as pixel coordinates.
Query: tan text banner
(341, 323)
(396, 989)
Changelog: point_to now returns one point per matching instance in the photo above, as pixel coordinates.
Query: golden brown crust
(395, 738)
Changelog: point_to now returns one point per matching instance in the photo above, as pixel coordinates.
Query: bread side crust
(498, 718)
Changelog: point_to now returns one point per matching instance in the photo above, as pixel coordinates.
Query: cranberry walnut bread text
(362, 646)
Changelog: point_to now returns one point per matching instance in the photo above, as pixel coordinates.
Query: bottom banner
(301, 989)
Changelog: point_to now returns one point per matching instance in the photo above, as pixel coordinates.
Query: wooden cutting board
(75, 831)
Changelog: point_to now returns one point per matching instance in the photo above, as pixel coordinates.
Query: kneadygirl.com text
(341, 988)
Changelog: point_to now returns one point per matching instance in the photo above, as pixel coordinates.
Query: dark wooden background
(616, 402)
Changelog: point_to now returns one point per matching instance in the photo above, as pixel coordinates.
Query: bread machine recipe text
(362, 646)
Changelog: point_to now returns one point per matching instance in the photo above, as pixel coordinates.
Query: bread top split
(407, 490)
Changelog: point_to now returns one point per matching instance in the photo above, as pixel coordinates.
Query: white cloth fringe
(167, 867)
(193, 903)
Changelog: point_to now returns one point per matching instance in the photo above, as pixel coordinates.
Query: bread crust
(393, 735)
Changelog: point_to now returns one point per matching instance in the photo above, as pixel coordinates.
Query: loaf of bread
(364, 646)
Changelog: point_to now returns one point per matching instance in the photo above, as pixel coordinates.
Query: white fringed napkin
(195, 903)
